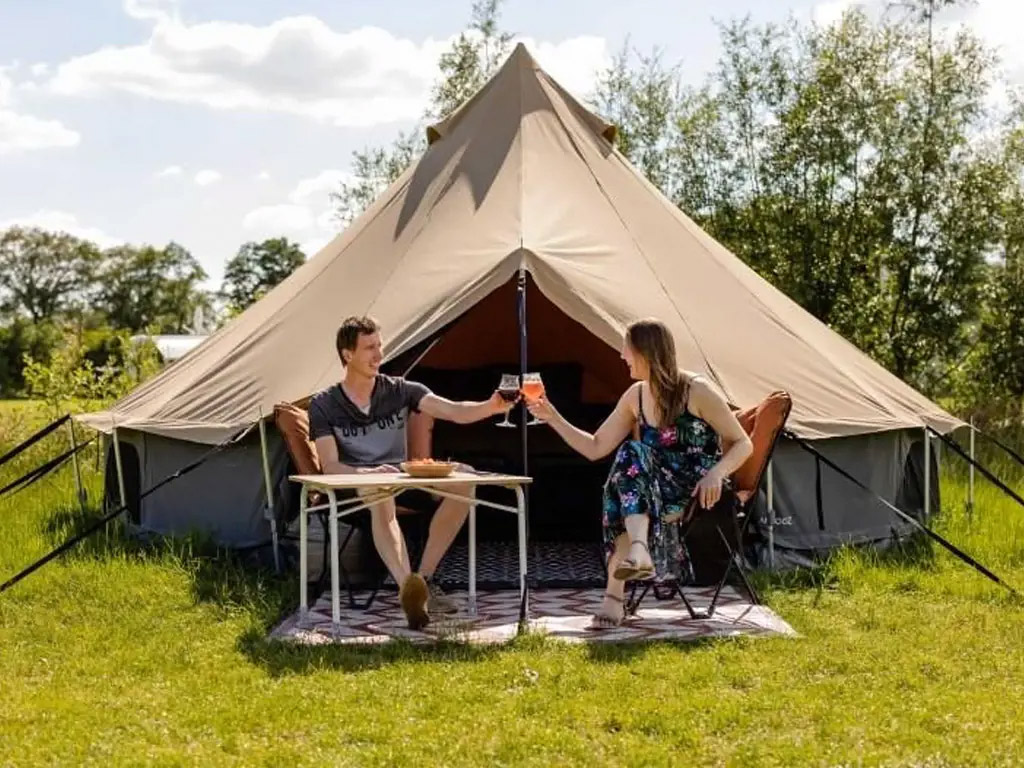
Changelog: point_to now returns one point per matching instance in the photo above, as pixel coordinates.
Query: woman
(680, 425)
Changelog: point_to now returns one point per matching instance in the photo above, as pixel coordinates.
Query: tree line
(57, 289)
(871, 169)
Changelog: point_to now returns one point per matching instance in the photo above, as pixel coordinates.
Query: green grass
(122, 655)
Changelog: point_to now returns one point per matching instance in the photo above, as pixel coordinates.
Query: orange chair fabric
(762, 423)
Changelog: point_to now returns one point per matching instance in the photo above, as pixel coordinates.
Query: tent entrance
(583, 377)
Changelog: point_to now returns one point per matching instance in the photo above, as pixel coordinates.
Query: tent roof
(524, 176)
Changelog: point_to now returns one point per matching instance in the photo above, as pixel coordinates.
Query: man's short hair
(351, 330)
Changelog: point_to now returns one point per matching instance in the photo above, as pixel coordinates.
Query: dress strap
(640, 392)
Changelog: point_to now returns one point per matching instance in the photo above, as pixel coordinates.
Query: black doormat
(549, 564)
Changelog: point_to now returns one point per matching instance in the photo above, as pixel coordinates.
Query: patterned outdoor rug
(559, 613)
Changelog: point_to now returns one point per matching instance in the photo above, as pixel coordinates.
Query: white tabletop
(401, 479)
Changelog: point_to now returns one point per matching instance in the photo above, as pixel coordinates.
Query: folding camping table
(374, 488)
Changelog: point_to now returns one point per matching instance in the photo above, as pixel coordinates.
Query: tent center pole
(524, 414)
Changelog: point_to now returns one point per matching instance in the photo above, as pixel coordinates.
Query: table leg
(335, 586)
(472, 559)
(303, 551)
(521, 519)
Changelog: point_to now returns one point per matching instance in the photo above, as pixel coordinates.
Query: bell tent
(522, 193)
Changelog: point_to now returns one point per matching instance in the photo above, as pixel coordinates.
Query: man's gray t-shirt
(367, 439)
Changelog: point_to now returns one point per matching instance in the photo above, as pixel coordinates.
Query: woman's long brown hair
(652, 340)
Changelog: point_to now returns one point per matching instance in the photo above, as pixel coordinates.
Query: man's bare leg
(448, 519)
(389, 541)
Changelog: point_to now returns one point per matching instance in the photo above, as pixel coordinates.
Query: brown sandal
(628, 570)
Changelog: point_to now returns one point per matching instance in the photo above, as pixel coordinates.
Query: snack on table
(428, 467)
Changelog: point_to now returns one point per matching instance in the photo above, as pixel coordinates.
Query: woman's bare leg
(636, 528)
(610, 607)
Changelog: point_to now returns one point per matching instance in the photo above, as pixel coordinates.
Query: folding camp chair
(763, 423)
(293, 423)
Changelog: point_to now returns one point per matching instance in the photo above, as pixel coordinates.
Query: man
(359, 426)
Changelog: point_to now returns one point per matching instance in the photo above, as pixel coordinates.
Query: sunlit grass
(123, 654)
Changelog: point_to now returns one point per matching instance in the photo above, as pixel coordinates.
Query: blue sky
(221, 121)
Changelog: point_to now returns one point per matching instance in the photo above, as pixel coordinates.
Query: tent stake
(74, 460)
(771, 519)
(269, 509)
(122, 496)
(970, 482)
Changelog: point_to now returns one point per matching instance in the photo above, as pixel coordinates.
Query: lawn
(119, 655)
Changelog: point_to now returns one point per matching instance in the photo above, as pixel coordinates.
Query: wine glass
(533, 389)
(509, 391)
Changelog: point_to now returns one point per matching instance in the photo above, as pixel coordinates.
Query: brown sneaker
(439, 602)
(413, 597)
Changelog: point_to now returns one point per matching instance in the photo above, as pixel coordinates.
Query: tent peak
(519, 70)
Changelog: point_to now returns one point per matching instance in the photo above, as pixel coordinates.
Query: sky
(216, 122)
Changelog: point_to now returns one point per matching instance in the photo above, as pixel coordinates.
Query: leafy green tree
(992, 380)
(846, 164)
(145, 287)
(44, 274)
(70, 381)
(20, 337)
(258, 267)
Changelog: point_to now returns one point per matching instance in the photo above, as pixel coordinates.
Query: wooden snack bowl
(428, 469)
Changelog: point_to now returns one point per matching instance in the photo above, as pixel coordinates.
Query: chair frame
(744, 510)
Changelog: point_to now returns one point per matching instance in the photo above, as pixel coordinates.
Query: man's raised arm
(464, 412)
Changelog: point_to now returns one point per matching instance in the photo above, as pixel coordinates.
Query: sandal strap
(641, 542)
(613, 597)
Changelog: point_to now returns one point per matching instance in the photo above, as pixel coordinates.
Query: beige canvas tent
(523, 179)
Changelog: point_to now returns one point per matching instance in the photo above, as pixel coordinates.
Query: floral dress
(655, 476)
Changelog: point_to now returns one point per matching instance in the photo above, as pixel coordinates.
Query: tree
(147, 288)
(992, 382)
(258, 267)
(846, 164)
(472, 58)
(44, 274)
(21, 338)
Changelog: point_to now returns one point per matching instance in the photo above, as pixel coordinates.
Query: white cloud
(170, 170)
(20, 132)
(312, 246)
(295, 65)
(575, 63)
(151, 9)
(207, 176)
(999, 23)
(277, 220)
(315, 191)
(830, 12)
(62, 221)
(263, 176)
(40, 69)
(307, 217)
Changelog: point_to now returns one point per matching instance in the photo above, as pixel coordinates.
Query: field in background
(119, 654)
